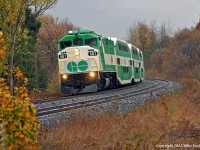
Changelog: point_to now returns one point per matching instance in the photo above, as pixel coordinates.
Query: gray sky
(114, 17)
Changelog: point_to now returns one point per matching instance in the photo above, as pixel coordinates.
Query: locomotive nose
(73, 53)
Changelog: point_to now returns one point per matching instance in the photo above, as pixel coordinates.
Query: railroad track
(53, 110)
(131, 95)
(94, 100)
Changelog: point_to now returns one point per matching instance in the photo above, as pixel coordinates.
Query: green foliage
(26, 57)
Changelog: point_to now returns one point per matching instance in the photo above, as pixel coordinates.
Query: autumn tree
(51, 30)
(186, 45)
(12, 16)
(140, 36)
(182, 57)
(18, 115)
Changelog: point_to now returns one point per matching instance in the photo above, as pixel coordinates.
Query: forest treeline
(168, 54)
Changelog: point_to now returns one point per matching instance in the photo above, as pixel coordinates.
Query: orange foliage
(19, 122)
(2, 47)
(141, 36)
(182, 58)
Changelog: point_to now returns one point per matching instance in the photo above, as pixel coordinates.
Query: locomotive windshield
(91, 42)
(79, 38)
(65, 44)
(79, 42)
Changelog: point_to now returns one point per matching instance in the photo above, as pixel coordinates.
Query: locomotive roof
(78, 33)
(116, 39)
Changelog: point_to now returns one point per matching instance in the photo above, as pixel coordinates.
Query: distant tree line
(171, 55)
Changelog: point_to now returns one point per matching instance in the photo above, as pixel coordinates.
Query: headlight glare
(77, 53)
(64, 76)
(92, 74)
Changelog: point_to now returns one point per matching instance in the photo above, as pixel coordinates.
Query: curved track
(57, 109)
(102, 98)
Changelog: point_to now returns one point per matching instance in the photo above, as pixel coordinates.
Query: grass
(53, 90)
(171, 119)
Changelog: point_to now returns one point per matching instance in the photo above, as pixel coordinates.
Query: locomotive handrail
(116, 66)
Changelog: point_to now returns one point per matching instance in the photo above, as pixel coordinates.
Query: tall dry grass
(172, 119)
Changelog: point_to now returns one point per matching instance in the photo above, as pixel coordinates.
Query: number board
(91, 52)
(62, 56)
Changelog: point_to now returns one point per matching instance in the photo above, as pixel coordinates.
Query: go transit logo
(77, 66)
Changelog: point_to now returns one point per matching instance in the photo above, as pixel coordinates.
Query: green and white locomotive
(89, 62)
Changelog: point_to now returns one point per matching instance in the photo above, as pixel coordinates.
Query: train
(89, 62)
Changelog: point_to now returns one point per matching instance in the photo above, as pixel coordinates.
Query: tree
(12, 16)
(51, 30)
(19, 122)
(153, 47)
(40, 6)
(164, 35)
(12, 19)
(26, 57)
(140, 36)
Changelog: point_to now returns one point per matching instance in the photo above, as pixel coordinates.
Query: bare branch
(40, 6)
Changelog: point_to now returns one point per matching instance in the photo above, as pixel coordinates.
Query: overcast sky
(114, 17)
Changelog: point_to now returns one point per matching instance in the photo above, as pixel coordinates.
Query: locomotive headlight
(92, 74)
(64, 76)
(76, 52)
